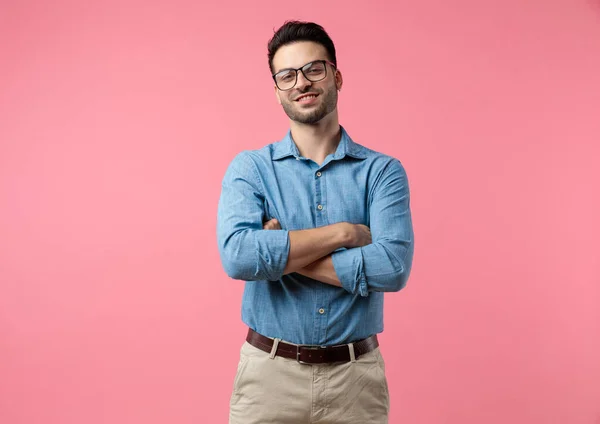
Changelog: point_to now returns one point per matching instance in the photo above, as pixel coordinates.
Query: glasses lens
(315, 71)
(285, 79)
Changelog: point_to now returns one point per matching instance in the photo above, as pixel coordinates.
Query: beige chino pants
(271, 389)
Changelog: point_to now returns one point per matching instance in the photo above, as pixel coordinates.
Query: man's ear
(339, 80)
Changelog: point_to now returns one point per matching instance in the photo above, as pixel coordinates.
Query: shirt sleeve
(247, 251)
(385, 264)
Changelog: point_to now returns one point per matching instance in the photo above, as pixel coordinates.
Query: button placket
(319, 204)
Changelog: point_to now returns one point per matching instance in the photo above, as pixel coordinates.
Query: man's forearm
(310, 250)
(308, 246)
(322, 270)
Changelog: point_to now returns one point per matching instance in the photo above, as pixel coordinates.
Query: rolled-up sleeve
(247, 251)
(385, 264)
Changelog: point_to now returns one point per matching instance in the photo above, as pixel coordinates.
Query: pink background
(118, 119)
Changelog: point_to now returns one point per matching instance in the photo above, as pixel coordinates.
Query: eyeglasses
(314, 71)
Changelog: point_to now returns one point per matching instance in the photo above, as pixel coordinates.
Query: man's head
(304, 67)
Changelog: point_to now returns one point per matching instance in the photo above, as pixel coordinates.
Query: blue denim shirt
(356, 185)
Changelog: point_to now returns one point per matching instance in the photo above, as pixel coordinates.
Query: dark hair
(294, 31)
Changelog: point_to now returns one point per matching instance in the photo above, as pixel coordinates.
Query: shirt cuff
(272, 251)
(350, 269)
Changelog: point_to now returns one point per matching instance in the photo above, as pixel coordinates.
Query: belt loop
(274, 348)
(351, 349)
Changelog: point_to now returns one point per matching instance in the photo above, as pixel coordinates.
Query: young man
(319, 227)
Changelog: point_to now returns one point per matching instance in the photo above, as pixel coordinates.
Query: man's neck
(316, 141)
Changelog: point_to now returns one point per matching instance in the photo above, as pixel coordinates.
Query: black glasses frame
(301, 69)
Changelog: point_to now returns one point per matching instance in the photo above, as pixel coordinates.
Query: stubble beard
(328, 104)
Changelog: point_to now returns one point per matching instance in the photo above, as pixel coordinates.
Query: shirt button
(321, 311)
(318, 174)
(320, 207)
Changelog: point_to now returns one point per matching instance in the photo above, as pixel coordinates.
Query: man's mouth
(306, 97)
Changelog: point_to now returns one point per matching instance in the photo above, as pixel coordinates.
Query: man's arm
(322, 270)
(385, 264)
(248, 252)
(308, 246)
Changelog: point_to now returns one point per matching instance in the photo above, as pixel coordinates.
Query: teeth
(308, 97)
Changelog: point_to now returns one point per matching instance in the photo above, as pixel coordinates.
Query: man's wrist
(343, 234)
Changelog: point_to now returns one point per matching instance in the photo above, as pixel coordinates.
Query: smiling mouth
(306, 97)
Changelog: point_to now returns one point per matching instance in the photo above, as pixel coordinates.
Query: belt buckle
(298, 347)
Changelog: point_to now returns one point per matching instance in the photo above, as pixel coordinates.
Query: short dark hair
(294, 31)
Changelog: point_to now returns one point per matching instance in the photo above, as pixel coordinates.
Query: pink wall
(117, 120)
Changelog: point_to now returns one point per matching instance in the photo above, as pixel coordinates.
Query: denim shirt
(356, 185)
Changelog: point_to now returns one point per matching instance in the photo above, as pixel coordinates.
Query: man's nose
(302, 82)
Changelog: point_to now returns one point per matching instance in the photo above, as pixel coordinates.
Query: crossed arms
(310, 249)
(378, 258)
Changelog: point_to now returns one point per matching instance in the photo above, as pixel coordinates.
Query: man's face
(297, 102)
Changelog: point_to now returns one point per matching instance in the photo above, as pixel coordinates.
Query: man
(319, 227)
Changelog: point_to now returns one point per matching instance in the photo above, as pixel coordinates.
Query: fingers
(272, 224)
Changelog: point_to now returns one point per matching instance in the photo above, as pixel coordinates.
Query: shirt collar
(347, 147)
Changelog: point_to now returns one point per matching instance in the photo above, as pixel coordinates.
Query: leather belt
(312, 354)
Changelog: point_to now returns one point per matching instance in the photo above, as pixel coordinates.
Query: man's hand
(358, 235)
(272, 224)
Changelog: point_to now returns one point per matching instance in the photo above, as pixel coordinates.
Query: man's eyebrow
(285, 69)
(293, 69)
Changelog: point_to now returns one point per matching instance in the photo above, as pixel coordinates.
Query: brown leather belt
(312, 354)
